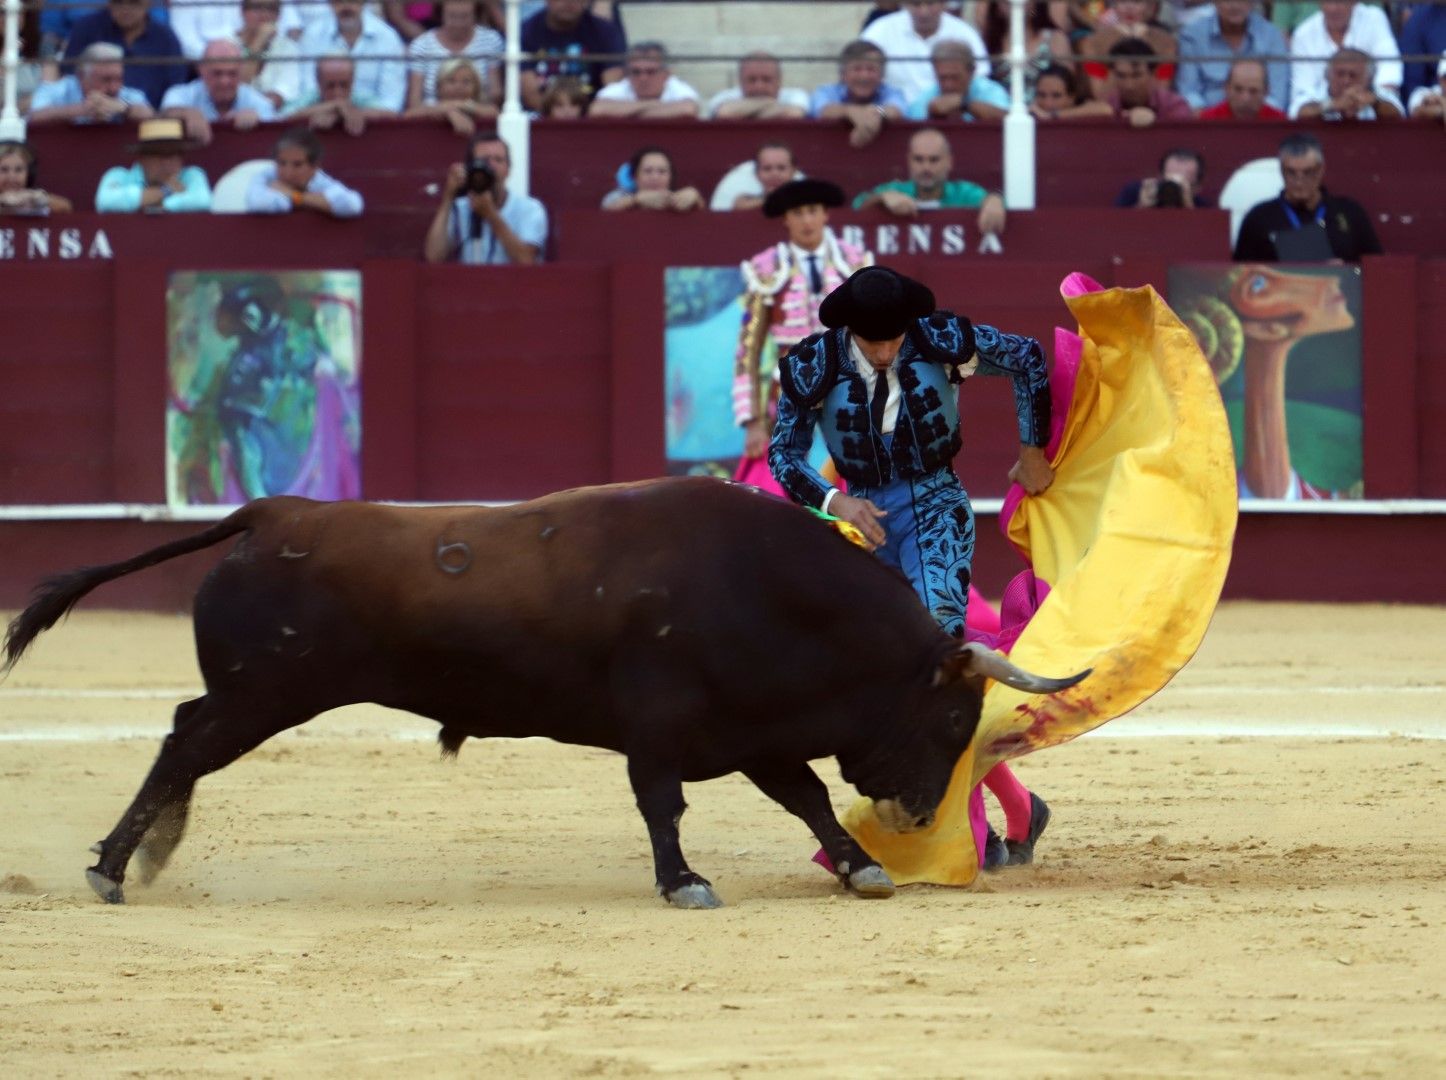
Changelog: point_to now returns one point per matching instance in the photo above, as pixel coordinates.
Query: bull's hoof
(105, 888)
(698, 896)
(871, 883)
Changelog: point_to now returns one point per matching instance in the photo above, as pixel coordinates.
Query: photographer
(479, 222)
(1176, 187)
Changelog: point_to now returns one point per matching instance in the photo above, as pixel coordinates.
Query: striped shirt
(427, 54)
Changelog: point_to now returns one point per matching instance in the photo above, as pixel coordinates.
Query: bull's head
(908, 776)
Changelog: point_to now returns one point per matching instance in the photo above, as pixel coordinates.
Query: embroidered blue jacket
(822, 385)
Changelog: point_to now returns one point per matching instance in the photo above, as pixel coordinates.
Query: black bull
(698, 627)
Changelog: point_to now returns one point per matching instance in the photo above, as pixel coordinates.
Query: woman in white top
(460, 34)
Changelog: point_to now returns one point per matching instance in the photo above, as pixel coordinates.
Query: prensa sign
(37, 243)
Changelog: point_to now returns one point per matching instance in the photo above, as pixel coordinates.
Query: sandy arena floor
(1245, 877)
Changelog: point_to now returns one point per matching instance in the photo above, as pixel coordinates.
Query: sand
(1244, 877)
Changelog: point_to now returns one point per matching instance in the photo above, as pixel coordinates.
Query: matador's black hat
(876, 304)
(798, 193)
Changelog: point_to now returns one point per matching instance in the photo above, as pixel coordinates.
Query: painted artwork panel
(265, 386)
(1284, 342)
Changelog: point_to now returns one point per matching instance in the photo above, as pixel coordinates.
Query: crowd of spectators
(339, 64)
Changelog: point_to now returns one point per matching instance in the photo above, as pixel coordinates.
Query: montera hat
(876, 304)
(798, 193)
(162, 135)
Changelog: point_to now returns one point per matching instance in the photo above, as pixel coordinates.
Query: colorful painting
(703, 313)
(1284, 343)
(265, 386)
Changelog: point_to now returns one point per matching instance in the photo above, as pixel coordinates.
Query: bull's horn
(980, 660)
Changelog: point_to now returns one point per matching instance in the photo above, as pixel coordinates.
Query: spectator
(1429, 102)
(219, 94)
(160, 181)
(1177, 185)
(958, 91)
(128, 24)
(412, 20)
(565, 98)
(294, 182)
(646, 183)
(1244, 95)
(480, 222)
(929, 186)
(746, 186)
(1045, 43)
(565, 29)
(1057, 96)
(29, 72)
(860, 98)
(18, 193)
(458, 36)
(58, 21)
(95, 94)
(1134, 93)
(1305, 223)
(335, 99)
(1350, 75)
(195, 22)
(650, 92)
(1235, 28)
(462, 100)
(1133, 22)
(1341, 24)
(760, 93)
(906, 38)
(273, 61)
(1423, 35)
(381, 76)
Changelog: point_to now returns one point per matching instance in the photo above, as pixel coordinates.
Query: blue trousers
(930, 527)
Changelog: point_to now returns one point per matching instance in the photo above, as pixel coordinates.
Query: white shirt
(378, 80)
(675, 89)
(1369, 31)
(801, 257)
(908, 65)
(789, 96)
(196, 22)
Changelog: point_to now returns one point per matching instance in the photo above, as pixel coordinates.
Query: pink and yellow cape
(1132, 540)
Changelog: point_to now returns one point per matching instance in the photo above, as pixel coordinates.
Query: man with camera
(481, 223)
(1176, 187)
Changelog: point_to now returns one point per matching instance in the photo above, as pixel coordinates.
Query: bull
(698, 627)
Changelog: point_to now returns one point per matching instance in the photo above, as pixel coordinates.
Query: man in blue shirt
(958, 90)
(128, 24)
(295, 182)
(1235, 31)
(480, 222)
(218, 94)
(95, 94)
(57, 20)
(1423, 35)
(567, 30)
(860, 98)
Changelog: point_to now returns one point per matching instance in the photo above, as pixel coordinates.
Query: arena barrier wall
(497, 384)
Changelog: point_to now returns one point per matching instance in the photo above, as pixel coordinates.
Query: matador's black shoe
(1021, 852)
(996, 855)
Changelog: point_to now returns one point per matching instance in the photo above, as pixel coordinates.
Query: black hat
(876, 304)
(798, 193)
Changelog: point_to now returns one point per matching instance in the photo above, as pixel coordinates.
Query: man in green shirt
(929, 187)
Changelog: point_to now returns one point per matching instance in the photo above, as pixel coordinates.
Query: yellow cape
(1134, 539)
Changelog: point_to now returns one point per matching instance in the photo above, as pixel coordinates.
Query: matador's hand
(1032, 471)
(862, 515)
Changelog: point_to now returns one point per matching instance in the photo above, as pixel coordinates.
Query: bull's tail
(55, 596)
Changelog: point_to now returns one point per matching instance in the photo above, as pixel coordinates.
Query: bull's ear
(981, 662)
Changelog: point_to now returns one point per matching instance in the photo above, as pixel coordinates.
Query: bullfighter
(882, 384)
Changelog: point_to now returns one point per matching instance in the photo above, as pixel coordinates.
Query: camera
(480, 177)
(1169, 193)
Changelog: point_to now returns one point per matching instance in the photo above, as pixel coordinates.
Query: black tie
(881, 399)
(815, 278)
